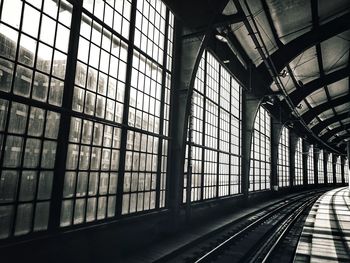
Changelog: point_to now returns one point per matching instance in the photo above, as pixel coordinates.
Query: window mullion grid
(64, 127)
(162, 103)
(119, 198)
(109, 169)
(45, 114)
(1, 5)
(76, 171)
(124, 39)
(230, 140)
(203, 124)
(240, 138)
(103, 128)
(257, 162)
(30, 103)
(15, 201)
(265, 149)
(270, 149)
(260, 151)
(172, 80)
(259, 147)
(189, 151)
(218, 138)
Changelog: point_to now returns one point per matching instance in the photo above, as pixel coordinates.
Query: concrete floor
(326, 234)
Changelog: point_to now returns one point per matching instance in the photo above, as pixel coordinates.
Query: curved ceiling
(305, 43)
(308, 45)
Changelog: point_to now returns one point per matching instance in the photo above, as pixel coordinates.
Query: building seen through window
(283, 158)
(260, 152)
(34, 56)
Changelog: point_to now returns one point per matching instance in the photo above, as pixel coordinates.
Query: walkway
(326, 234)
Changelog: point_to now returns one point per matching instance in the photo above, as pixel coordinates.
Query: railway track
(253, 238)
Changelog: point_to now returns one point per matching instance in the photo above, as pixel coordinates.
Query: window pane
(5, 220)
(45, 185)
(28, 185)
(219, 105)
(33, 66)
(8, 186)
(24, 218)
(41, 216)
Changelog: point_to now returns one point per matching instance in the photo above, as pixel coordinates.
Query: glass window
(346, 171)
(283, 158)
(338, 176)
(320, 166)
(34, 39)
(213, 150)
(34, 54)
(260, 152)
(298, 180)
(149, 110)
(330, 169)
(93, 157)
(310, 166)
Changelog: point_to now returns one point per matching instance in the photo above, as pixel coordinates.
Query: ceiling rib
(270, 66)
(325, 123)
(315, 24)
(310, 87)
(313, 112)
(288, 52)
(334, 131)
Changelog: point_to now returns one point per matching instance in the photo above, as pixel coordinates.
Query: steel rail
(216, 250)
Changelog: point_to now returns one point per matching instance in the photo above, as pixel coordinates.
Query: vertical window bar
(218, 140)
(15, 205)
(64, 127)
(126, 109)
(204, 121)
(230, 141)
(160, 144)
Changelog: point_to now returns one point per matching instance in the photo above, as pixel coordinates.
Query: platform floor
(326, 234)
(194, 232)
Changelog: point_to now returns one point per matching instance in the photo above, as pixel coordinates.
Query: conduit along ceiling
(305, 45)
(294, 52)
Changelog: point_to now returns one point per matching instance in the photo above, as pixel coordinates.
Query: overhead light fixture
(226, 61)
(283, 74)
(290, 124)
(221, 37)
(300, 83)
(269, 99)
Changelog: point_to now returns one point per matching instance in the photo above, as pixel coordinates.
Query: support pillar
(186, 65)
(325, 167)
(348, 153)
(334, 168)
(342, 169)
(305, 147)
(249, 108)
(293, 140)
(316, 158)
(275, 136)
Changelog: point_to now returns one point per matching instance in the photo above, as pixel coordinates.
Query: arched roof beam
(314, 112)
(198, 14)
(288, 52)
(298, 95)
(324, 124)
(330, 133)
(339, 139)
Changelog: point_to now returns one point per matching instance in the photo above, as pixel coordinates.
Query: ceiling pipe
(264, 54)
